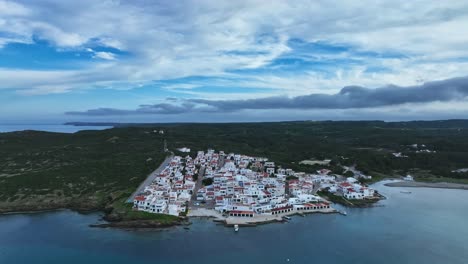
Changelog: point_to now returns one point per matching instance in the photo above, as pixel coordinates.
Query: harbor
(257, 220)
(242, 190)
(323, 238)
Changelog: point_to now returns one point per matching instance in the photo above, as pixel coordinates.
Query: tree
(291, 178)
(349, 174)
(207, 181)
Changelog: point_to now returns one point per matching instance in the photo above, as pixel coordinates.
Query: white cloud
(105, 55)
(9, 8)
(169, 40)
(58, 36)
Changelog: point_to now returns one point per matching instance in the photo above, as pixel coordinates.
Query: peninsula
(243, 190)
(99, 170)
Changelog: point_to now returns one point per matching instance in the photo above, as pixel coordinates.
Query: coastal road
(198, 185)
(151, 177)
(315, 189)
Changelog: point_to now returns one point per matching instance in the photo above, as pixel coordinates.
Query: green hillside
(89, 169)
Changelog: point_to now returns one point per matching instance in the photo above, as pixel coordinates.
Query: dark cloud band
(349, 97)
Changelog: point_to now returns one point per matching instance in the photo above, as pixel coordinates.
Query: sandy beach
(444, 185)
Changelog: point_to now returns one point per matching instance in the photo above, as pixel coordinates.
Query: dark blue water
(427, 226)
(49, 128)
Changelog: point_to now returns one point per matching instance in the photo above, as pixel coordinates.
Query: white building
(270, 171)
(408, 178)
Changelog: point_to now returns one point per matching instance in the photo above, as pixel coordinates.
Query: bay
(426, 226)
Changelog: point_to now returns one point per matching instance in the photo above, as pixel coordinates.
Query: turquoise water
(426, 226)
(49, 128)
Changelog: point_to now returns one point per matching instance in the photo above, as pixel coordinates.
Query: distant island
(115, 124)
(99, 170)
(90, 124)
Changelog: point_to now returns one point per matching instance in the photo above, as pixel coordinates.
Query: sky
(232, 61)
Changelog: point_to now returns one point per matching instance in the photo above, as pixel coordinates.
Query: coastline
(29, 209)
(322, 238)
(122, 224)
(140, 224)
(206, 213)
(250, 222)
(363, 203)
(416, 184)
(39, 211)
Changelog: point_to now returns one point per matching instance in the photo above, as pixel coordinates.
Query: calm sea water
(426, 226)
(49, 128)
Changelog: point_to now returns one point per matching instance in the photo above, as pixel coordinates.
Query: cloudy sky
(201, 61)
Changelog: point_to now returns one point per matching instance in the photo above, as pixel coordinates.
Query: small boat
(236, 228)
(343, 213)
(408, 192)
(286, 218)
(187, 228)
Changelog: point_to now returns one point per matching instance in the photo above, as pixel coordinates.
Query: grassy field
(89, 165)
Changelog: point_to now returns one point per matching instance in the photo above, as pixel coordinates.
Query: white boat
(343, 213)
(286, 218)
(236, 228)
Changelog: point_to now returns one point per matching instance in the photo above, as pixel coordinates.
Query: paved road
(221, 161)
(316, 188)
(198, 185)
(151, 178)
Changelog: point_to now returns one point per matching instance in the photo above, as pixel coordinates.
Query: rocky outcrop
(138, 224)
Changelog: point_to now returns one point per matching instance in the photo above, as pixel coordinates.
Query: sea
(61, 128)
(426, 226)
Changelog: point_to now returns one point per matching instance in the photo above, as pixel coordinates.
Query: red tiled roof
(140, 198)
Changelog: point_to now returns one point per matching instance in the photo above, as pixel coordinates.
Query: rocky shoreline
(82, 206)
(43, 208)
(140, 224)
(111, 221)
(114, 220)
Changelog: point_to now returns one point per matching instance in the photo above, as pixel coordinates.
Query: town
(241, 189)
